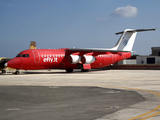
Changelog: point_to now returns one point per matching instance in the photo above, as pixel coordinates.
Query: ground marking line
(145, 114)
(150, 112)
(155, 114)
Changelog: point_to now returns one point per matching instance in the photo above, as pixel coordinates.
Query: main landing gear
(71, 70)
(17, 72)
(79, 66)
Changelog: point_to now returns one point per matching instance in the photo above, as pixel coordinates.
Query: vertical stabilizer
(127, 39)
(33, 45)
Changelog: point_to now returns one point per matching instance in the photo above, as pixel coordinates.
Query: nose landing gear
(3, 71)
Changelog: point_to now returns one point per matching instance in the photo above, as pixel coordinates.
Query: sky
(57, 24)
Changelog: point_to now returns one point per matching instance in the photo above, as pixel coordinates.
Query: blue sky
(76, 23)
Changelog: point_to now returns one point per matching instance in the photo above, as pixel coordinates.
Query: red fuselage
(34, 59)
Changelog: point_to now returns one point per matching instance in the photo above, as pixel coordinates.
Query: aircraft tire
(69, 70)
(3, 71)
(17, 72)
(85, 70)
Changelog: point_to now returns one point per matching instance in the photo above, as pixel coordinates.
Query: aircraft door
(36, 56)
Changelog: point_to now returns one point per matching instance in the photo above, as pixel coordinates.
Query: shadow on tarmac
(54, 72)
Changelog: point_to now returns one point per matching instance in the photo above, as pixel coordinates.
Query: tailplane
(126, 41)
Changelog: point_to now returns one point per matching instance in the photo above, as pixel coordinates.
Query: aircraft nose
(14, 63)
(6, 64)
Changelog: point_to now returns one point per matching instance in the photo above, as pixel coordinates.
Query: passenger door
(36, 56)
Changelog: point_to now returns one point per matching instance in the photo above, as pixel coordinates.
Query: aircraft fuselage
(34, 59)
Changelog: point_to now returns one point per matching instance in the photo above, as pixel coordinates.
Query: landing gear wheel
(17, 72)
(69, 70)
(3, 71)
(87, 70)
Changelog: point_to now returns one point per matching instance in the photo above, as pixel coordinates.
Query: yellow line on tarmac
(145, 115)
(155, 114)
(150, 112)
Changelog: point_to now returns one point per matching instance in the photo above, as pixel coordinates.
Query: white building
(148, 59)
(154, 58)
(127, 61)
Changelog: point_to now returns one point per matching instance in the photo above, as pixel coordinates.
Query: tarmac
(95, 95)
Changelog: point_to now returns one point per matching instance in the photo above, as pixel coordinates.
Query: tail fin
(127, 39)
(33, 45)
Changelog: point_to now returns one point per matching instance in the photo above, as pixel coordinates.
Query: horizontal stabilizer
(138, 30)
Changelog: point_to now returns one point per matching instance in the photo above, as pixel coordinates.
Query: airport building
(155, 51)
(148, 59)
(154, 58)
(127, 62)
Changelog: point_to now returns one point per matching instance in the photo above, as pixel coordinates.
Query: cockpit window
(19, 55)
(25, 55)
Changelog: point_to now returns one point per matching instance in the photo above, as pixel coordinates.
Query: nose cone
(14, 63)
(9, 64)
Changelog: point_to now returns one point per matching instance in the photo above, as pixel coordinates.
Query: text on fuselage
(51, 60)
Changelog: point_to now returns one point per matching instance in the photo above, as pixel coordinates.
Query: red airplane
(73, 58)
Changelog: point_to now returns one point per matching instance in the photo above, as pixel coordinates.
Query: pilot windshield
(24, 55)
(19, 55)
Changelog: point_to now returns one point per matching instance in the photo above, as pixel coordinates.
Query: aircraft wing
(94, 50)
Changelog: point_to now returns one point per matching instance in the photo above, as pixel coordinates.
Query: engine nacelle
(87, 59)
(73, 59)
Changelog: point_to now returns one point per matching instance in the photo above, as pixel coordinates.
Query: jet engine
(87, 59)
(73, 59)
